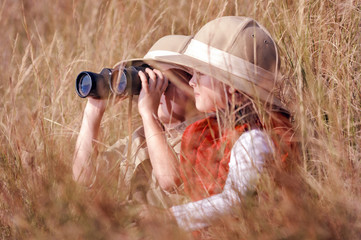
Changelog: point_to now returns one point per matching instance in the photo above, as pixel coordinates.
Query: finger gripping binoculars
(120, 81)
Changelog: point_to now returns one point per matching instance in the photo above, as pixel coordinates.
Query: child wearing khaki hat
(167, 108)
(235, 70)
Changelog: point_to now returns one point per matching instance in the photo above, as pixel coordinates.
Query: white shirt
(248, 156)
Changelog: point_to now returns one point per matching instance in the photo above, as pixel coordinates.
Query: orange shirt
(205, 153)
(205, 156)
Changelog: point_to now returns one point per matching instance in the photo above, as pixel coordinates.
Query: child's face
(209, 93)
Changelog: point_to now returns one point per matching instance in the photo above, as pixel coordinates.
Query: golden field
(45, 44)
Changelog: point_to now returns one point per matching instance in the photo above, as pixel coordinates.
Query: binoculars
(120, 81)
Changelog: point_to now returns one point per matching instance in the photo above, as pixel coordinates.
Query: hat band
(230, 63)
(158, 53)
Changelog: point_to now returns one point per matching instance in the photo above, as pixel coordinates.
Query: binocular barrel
(122, 82)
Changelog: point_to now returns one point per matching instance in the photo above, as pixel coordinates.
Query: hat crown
(171, 43)
(241, 37)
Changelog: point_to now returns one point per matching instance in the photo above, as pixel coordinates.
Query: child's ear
(231, 90)
(239, 97)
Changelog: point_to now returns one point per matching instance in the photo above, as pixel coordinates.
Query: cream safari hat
(169, 45)
(235, 50)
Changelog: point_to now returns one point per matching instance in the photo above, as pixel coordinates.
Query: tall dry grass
(44, 44)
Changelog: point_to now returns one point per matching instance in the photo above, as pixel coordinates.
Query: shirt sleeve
(248, 156)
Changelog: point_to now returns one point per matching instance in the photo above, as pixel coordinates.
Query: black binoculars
(120, 81)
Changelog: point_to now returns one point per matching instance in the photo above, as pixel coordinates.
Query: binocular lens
(85, 84)
(118, 83)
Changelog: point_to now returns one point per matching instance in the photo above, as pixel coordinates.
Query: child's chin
(202, 108)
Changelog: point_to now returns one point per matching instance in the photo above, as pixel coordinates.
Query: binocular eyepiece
(121, 82)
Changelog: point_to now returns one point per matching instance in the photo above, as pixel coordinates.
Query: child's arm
(163, 159)
(247, 159)
(83, 168)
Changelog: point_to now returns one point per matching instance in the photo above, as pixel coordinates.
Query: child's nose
(192, 82)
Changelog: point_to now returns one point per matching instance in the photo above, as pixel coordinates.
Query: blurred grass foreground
(45, 44)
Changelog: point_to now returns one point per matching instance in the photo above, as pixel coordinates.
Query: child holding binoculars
(235, 71)
(166, 106)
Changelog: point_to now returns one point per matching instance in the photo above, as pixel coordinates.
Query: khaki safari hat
(167, 45)
(235, 50)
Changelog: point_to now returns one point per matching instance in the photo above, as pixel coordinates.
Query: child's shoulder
(253, 139)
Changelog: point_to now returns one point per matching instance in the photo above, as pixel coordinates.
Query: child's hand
(97, 104)
(151, 92)
(95, 108)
